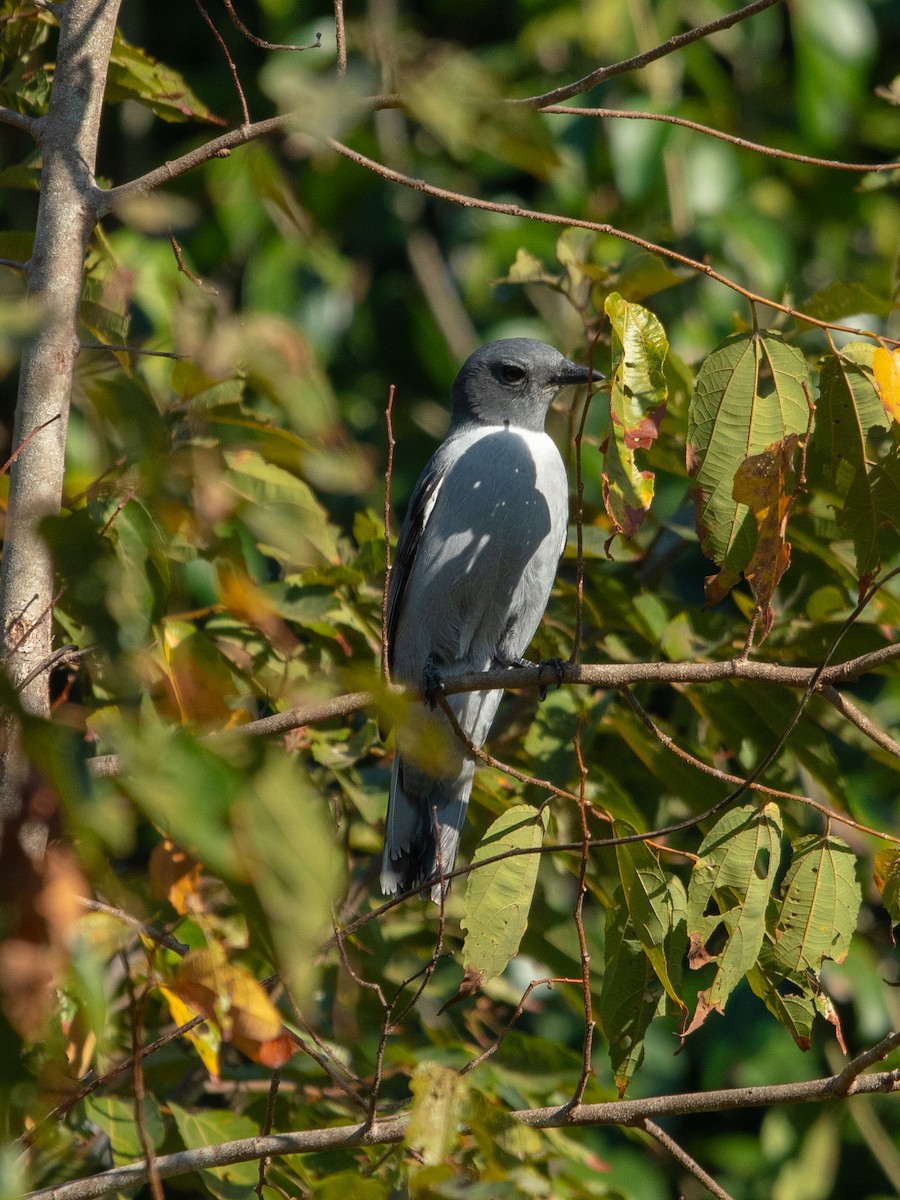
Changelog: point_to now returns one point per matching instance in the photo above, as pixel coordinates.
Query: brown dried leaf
(761, 482)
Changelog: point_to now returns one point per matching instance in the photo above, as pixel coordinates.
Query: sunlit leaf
(750, 393)
(737, 866)
(886, 367)
(498, 896)
(134, 75)
(637, 403)
(438, 1097)
(820, 901)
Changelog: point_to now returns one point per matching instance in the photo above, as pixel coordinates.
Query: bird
(475, 561)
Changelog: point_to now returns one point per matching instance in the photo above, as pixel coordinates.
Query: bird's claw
(432, 683)
(558, 667)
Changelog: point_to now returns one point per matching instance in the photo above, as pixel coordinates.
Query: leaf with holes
(820, 901)
(637, 403)
(498, 896)
(728, 894)
(750, 392)
(653, 912)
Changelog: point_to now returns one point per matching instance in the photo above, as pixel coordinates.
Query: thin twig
(643, 60)
(678, 1152)
(14, 456)
(518, 211)
(726, 777)
(185, 270)
(147, 931)
(579, 513)
(388, 475)
(121, 348)
(136, 1009)
(261, 42)
(548, 982)
(245, 111)
(340, 37)
(271, 1100)
(588, 1041)
(848, 709)
(770, 151)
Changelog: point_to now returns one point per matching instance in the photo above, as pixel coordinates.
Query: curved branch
(531, 214)
(757, 147)
(643, 60)
(393, 1130)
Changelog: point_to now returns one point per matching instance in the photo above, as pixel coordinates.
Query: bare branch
(849, 710)
(769, 151)
(104, 201)
(232, 67)
(261, 42)
(679, 1153)
(643, 60)
(518, 211)
(185, 270)
(388, 474)
(340, 37)
(32, 125)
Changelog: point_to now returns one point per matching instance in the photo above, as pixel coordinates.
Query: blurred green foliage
(221, 546)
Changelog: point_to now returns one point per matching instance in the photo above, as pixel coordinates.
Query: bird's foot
(432, 683)
(558, 667)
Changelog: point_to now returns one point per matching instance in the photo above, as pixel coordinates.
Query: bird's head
(514, 380)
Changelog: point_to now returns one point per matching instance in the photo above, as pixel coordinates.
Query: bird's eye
(512, 373)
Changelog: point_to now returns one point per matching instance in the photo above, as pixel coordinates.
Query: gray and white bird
(475, 562)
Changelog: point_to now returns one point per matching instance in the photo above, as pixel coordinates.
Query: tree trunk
(66, 216)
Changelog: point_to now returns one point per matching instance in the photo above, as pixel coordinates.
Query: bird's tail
(421, 834)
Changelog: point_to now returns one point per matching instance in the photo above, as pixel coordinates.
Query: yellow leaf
(175, 876)
(886, 365)
(206, 1039)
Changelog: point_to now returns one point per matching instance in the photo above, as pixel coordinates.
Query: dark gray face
(514, 381)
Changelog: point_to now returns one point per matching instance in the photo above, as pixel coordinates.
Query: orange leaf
(175, 876)
(886, 365)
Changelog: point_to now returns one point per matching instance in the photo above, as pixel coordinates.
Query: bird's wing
(418, 513)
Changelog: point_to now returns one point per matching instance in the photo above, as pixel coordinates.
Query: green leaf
(281, 510)
(461, 103)
(630, 995)
(843, 298)
(116, 1118)
(887, 880)
(134, 75)
(287, 845)
(210, 1127)
(749, 394)
(645, 887)
(820, 902)
(637, 404)
(438, 1097)
(794, 1007)
(498, 896)
(737, 864)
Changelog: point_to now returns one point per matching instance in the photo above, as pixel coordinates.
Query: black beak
(571, 373)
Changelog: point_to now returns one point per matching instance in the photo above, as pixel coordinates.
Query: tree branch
(32, 125)
(643, 60)
(393, 1130)
(668, 119)
(609, 676)
(531, 214)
